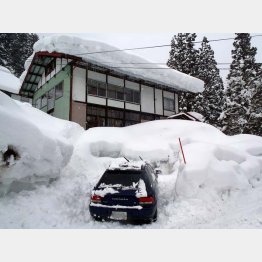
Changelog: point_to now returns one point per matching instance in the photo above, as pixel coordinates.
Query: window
(169, 104)
(50, 67)
(151, 174)
(51, 99)
(95, 116)
(115, 117)
(115, 122)
(93, 121)
(115, 113)
(132, 118)
(96, 111)
(59, 90)
(147, 117)
(38, 103)
(132, 95)
(115, 92)
(51, 112)
(24, 99)
(43, 101)
(96, 87)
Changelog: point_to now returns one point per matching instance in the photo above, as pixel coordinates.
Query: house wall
(147, 99)
(159, 101)
(96, 100)
(79, 84)
(60, 64)
(62, 104)
(151, 98)
(79, 113)
(176, 103)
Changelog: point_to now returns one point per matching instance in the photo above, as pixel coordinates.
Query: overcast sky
(222, 49)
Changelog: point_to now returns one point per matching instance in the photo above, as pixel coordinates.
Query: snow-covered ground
(218, 187)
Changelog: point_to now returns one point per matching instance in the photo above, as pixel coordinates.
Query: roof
(9, 82)
(93, 52)
(193, 116)
(127, 165)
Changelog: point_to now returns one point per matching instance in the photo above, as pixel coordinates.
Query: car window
(150, 172)
(120, 178)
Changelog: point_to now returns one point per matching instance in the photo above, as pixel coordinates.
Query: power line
(150, 47)
(156, 46)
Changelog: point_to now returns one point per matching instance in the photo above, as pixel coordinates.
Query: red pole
(182, 150)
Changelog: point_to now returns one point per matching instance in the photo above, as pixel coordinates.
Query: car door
(153, 180)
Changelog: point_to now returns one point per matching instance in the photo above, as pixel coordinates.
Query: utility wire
(150, 47)
(156, 46)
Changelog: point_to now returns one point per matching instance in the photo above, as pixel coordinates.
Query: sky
(222, 49)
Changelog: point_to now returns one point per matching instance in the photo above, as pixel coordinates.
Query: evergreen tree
(254, 121)
(241, 82)
(15, 48)
(210, 102)
(184, 57)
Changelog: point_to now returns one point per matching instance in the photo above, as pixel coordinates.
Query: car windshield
(120, 178)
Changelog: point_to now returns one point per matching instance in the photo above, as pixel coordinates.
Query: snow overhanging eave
(42, 58)
(36, 69)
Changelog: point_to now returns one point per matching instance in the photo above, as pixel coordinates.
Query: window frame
(169, 100)
(133, 92)
(118, 90)
(50, 67)
(52, 90)
(42, 97)
(96, 87)
(62, 84)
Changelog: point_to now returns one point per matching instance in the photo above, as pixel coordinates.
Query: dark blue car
(127, 192)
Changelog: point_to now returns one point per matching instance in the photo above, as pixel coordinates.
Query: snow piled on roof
(197, 116)
(80, 47)
(8, 81)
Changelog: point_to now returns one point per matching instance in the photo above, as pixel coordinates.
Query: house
(192, 116)
(10, 85)
(95, 84)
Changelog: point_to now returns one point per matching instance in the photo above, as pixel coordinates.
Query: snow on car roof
(125, 165)
(122, 62)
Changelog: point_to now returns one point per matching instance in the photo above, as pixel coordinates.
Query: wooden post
(182, 150)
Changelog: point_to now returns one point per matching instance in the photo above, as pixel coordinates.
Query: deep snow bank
(216, 164)
(190, 196)
(34, 146)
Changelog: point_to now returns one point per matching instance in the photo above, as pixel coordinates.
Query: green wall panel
(62, 104)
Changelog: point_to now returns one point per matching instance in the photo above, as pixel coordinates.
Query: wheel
(98, 219)
(155, 217)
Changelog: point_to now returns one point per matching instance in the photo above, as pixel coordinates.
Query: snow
(191, 115)
(43, 143)
(197, 115)
(218, 187)
(8, 81)
(122, 62)
(141, 189)
(104, 191)
(126, 165)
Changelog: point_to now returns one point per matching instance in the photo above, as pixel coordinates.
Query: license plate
(116, 215)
